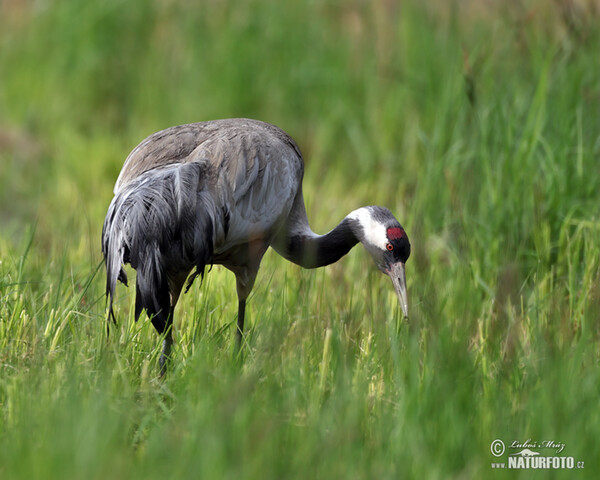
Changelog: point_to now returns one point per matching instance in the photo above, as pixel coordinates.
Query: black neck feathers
(312, 251)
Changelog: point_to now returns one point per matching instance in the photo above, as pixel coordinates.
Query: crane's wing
(256, 171)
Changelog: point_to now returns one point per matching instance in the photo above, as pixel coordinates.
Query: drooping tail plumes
(162, 224)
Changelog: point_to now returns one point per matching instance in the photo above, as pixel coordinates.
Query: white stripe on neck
(374, 232)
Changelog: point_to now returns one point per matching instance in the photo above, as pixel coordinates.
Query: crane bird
(222, 192)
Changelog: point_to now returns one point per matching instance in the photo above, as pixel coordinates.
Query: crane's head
(387, 243)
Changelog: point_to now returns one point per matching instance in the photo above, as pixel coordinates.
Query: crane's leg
(240, 323)
(164, 324)
(245, 276)
(244, 284)
(165, 355)
(165, 328)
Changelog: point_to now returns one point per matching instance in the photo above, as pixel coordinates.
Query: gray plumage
(222, 192)
(161, 225)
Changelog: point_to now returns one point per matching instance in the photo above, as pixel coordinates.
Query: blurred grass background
(477, 123)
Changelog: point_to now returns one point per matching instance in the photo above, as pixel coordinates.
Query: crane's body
(222, 192)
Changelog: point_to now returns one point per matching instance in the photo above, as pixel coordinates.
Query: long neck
(310, 250)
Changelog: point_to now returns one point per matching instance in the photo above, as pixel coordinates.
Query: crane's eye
(389, 246)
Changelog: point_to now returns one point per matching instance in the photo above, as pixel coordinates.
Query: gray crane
(222, 192)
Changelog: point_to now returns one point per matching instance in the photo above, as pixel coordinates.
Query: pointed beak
(396, 273)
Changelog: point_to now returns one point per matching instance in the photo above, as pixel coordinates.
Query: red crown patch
(395, 233)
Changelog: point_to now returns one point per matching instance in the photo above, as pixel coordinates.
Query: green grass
(478, 128)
